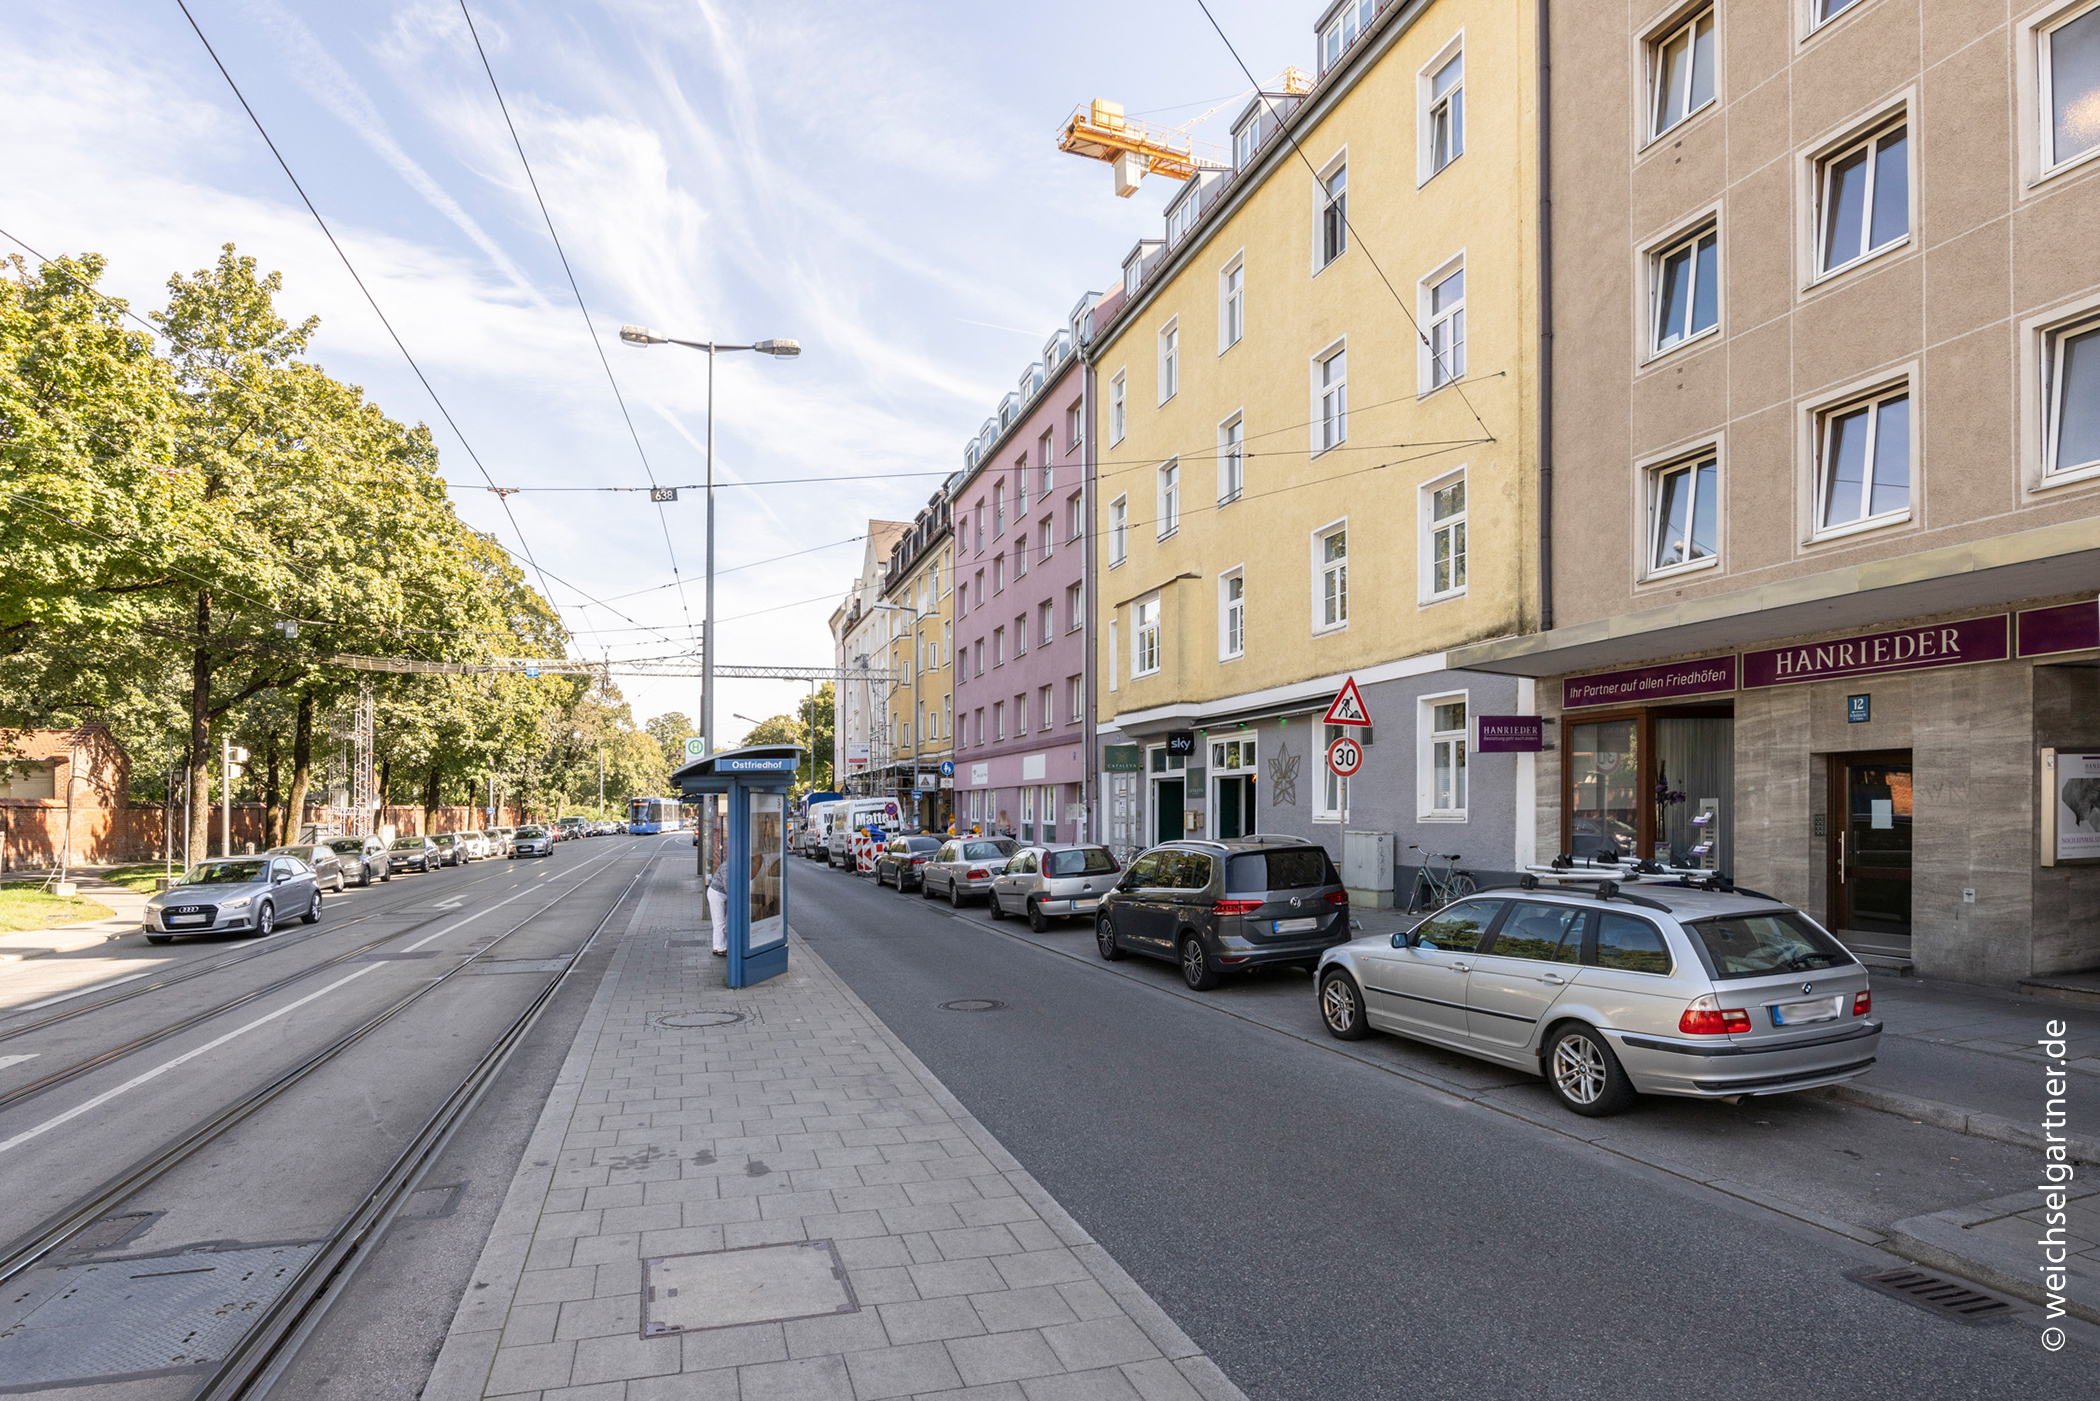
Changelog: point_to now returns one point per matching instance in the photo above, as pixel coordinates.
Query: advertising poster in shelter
(2076, 807)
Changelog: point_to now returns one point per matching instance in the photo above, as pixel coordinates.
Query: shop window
(1659, 783)
(1604, 788)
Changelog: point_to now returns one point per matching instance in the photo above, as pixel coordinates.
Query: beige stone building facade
(1824, 464)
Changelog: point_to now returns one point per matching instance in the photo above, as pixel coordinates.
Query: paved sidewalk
(669, 1151)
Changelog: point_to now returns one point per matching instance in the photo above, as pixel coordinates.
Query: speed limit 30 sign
(1345, 756)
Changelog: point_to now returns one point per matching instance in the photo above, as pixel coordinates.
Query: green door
(1167, 806)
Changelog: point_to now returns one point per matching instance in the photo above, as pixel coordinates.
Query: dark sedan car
(414, 854)
(903, 861)
(329, 872)
(1220, 907)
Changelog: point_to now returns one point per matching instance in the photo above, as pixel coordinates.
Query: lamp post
(779, 349)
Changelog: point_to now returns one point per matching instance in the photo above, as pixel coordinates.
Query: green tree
(670, 731)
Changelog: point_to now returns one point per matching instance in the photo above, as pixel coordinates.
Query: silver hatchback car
(1677, 990)
(1053, 882)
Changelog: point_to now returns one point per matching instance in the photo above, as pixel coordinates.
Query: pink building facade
(1021, 656)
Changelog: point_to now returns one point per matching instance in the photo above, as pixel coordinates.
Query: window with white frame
(2067, 68)
(1862, 198)
(1075, 521)
(1443, 115)
(998, 509)
(1442, 724)
(2071, 397)
(1181, 218)
(1331, 577)
(1331, 399)
(1169, 360)
(1169, 498)
(998, 721)
(1821, 12)
(1863, 461)
(1232, 304)
(1246, 142)
(1021, 555)
(1232, 458)
(1114, 655)
(1334, 213)
(1117, 399)
(1047, 544)
(1444, 537)
(999, 572)
(980, 527)
(979, 652)
(1074, 418)
(1684, 289)
(1021, 489)
(980, 726)
(1232, 615)
(1683, 512)
(947, 643)
(1021, 636)
(1341, 32)
(1681, 72)
(1074, 604)
(1044, 709)
(1075, 699)
(1118, 531)
(1334, 789)
(1045, 622)
(998, 646)
(1144, 639)
(1046, 471)
(1444, 314)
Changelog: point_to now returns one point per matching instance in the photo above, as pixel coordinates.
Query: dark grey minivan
(1221, 907)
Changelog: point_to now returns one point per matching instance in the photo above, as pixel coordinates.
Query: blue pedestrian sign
(947, 768)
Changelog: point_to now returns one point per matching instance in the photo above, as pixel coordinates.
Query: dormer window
(1245, 142)
(1180, 219)
(1341, 31)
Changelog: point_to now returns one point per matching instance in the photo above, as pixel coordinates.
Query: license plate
(1296, 926)
(1093, 904)
(1823, 1009)
(188, 919)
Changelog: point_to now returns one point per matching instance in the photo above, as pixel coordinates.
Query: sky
(878, 182)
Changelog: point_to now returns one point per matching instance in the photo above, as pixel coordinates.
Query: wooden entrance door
(1870, 844)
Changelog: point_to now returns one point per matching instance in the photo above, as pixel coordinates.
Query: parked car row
(1704, 990)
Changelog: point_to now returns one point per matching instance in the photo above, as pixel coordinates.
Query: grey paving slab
(689, 1158)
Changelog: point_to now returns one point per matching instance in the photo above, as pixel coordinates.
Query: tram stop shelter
(743, 797)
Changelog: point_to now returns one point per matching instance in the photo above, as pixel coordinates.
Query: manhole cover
(973, 1004)
(1949, 1298)
(752, 1284)
(699, 1019)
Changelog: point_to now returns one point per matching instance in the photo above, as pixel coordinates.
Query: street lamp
(780, 350)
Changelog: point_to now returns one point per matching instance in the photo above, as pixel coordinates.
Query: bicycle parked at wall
(1437, 886)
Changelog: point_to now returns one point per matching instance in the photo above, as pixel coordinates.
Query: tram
(646, 815)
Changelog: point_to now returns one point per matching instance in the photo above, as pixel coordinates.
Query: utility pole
(225, 795)
(601, 782)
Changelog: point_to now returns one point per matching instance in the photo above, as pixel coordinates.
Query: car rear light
(1862, 1003)
(979, 874)
(1707, 1017)
(918, 861)
(1337, 897)
(1235, 907)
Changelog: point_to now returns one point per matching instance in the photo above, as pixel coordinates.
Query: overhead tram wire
(591, 330)
(117, 451)
(370, 300)
(1371, 257)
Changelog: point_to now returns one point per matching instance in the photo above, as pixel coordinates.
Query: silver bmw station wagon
(1675, 990)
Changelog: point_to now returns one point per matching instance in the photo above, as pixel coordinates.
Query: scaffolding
(1099, 131)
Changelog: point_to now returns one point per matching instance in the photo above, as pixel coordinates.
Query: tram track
(35, 1244)
(95, 1062)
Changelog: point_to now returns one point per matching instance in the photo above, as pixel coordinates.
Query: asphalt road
(1384, 1220)
(111, 1076)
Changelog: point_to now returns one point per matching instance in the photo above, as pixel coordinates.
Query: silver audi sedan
(1047, 883)
(250, 894)
(1610, 994)
(964, 866)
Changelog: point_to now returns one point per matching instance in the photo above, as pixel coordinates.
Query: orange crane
(1099, 131)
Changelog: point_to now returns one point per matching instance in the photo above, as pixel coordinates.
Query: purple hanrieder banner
(1906, 649)
(2068, 627)
(1510, 734)
(1645, 683)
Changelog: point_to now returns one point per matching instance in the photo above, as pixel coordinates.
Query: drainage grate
(973, 1004)
(692, 1020)
(146, 1316)
(1949, 1298)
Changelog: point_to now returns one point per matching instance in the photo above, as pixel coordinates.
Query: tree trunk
(200, 733)
(302, 765)
(386, 783)
(431, 797)
(273, 796)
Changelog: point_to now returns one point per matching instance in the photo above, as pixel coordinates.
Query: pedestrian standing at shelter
(718, 906)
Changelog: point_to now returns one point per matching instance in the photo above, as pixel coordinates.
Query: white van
(816, 828)
(850, 816)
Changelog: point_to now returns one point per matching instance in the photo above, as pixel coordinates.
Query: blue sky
(880, 182)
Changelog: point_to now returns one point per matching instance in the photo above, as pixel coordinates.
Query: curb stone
(1944, 1240)
(2082, 1148)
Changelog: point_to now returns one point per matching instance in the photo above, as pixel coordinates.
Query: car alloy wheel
(266, 920)
(998, 910)
(313, 911)
(955, 897)
(925, 889)
(1342, 1008)
(1195, 966)
(1037, 920)
(1105, 940)
(1585, 1075)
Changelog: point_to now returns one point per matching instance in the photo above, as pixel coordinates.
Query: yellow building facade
(917, 734)
(1314, 404)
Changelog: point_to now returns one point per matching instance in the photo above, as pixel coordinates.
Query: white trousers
(718, 915)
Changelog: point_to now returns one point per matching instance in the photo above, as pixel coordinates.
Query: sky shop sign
(1875, 653)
